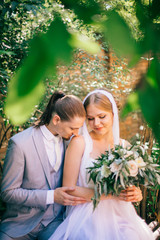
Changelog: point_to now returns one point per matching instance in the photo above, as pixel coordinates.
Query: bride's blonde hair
(100, 100)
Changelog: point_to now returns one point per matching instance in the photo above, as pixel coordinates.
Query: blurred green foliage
(56, 44)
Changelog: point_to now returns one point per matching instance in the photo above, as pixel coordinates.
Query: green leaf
(46, 52)
(122, 180)
(153, 75)
(105, 188)
(57, 39)
(9, 53)
(119, 35)
(83, 42)
(33, 70)
(149, 100)
(18, 109)
(131, 105)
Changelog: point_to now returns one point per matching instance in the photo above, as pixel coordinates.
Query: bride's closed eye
(91, 119)
(101, 117)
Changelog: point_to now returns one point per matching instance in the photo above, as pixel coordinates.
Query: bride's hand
(131, 194)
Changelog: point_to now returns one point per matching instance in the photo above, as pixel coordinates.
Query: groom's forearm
(25, 197)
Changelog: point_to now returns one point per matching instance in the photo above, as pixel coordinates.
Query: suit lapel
(40, 147)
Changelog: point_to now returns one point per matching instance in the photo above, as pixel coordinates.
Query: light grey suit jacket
(25, 182)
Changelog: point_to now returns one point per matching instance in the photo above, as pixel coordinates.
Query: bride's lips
(98, 129)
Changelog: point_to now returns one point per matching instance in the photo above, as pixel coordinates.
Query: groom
(32, 174)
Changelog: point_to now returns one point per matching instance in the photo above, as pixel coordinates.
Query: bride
(115, 217)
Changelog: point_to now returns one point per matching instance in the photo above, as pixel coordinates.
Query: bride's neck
(106, 139)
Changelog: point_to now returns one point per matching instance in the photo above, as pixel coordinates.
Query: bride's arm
(72, 164)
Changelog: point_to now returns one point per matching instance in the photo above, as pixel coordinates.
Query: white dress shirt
(49, 144)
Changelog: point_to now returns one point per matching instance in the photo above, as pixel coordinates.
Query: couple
(32, 177)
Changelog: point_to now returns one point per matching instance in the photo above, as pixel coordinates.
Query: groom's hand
(62, 197)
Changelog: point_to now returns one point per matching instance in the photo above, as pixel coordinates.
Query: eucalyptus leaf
(122, 180)
(105, 187)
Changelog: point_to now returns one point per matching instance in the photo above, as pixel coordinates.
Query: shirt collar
(47, 134)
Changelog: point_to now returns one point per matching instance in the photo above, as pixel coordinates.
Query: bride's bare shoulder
(77, 141)
(124, 143)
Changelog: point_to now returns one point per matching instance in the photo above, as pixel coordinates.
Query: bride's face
(99, 120)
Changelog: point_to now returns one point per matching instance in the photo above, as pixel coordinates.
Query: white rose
(105, 172)
(140, 163)
(115, 167)
(133, 168)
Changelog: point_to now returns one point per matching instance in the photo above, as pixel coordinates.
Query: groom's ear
(56, 119)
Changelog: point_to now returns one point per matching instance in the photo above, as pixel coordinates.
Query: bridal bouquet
(120, 168)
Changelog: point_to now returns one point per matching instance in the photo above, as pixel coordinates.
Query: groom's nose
(75, 132)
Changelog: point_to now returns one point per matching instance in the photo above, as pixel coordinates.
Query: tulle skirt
(111, 220)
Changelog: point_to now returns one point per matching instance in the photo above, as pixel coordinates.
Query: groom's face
(68, 128)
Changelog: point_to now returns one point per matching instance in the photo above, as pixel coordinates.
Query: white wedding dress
(111, 220)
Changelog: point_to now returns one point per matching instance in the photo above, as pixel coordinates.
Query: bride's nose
(96, 121)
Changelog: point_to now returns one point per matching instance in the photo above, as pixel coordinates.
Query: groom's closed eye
(90, 119)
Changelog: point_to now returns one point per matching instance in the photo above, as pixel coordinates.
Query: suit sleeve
(11, 187)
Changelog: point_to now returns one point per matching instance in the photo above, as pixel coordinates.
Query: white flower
(115, 167)
(105, 172)
(136, 154)
(140, 163)
(110, 157)
(129, 153)
(142, 149)
(123, 151)
(141, 127)
(133, 168)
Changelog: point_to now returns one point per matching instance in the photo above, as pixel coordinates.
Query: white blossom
(105, 172)
(140, 162)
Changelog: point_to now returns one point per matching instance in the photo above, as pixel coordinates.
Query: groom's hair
(65, 106)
